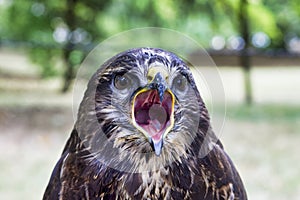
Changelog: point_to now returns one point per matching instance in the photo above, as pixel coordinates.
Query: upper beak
(159, 84)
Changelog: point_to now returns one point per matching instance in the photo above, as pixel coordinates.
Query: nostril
(149, 78)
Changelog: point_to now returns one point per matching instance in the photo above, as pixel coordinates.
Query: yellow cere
(157, 69)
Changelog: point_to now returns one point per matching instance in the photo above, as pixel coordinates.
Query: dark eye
(180, 83)
(123, 82)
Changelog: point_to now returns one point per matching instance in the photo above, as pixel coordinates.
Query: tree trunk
(69, 71)
(70, 20)
(245, 57)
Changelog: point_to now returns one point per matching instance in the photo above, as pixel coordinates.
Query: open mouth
(152, 116)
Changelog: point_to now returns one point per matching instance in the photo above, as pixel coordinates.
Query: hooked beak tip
(157, 146)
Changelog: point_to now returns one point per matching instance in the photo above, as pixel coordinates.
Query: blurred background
(254, 43)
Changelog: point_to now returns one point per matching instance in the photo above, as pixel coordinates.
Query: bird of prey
(143, 132)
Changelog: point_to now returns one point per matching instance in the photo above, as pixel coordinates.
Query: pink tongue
(158, 118)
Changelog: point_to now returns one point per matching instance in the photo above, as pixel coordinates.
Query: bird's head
(146, 105)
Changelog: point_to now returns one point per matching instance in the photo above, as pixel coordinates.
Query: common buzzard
(143, 132)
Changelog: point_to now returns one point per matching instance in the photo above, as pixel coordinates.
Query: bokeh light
(218, 42)
(294, 45)
(60, 34)
(260, 40)
(236, 43)
(38, 9)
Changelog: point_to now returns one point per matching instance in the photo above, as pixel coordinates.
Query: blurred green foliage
(56, 30)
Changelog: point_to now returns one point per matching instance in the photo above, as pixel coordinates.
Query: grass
(264, 112)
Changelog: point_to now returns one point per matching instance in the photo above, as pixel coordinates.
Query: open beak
(153, 111)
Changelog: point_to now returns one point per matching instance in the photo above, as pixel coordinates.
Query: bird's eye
(179, 83)
(123, 82)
